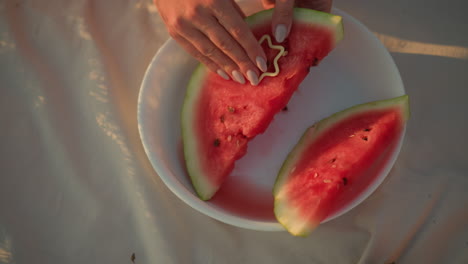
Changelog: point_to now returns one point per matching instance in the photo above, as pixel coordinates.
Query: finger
(200, 47)
(282, 19)
(232, 48)
(208, 49)
(227, 45)
(241, 32)
(200, 57)
(239, 10)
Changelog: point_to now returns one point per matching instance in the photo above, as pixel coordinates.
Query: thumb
(282, 19)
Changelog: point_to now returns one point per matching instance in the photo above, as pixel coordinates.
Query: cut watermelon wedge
(335, 161)
(219, 117)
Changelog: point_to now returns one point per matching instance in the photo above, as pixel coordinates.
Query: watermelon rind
(203, 187)
(302, 15)
(287, 215)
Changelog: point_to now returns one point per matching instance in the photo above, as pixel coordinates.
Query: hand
(215, 33)
(282, 16)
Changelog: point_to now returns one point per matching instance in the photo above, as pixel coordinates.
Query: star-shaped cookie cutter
(282, 52)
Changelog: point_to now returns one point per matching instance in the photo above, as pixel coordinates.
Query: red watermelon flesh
(225, 115)
(335, 161)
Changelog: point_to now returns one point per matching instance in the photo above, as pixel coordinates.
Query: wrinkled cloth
(77, 187)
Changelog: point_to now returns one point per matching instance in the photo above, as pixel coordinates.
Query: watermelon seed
(315, 63)
(293, 169)
(352, 135)
(364, 138)
(334, 166)
(217, 142)
(367, 129)
(345, 181)
(231, 109)
(327, 181)
(285, 108)
(333, 160)
(237, 143)
(316, 175)
(229, 138)
(222, 119)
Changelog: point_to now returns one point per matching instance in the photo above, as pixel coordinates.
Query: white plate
(359, 70)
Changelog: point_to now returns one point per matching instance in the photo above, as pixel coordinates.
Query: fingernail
(238, 77)
(261, 64)
(280, 33)
(222, 74)
(252, 76)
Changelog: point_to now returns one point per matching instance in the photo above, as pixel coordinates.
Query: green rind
(204, 189)
(314, 131)
(303, 15)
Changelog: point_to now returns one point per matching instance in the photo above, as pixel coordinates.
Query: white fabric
(76, 186)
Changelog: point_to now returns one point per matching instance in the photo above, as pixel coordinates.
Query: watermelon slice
(335, 160)
(219, 117)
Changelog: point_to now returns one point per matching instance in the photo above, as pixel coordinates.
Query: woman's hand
(282, 16)
(215, 33)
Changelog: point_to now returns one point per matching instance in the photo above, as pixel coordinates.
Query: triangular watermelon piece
(335, 161)
(219, 117)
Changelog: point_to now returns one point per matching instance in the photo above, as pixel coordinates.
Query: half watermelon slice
(219, 117)
(335, 161)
